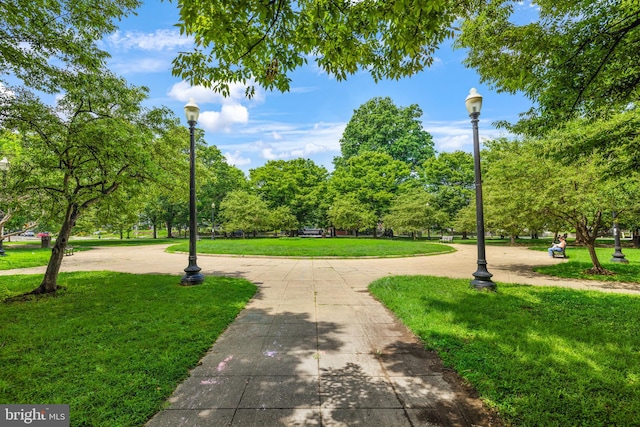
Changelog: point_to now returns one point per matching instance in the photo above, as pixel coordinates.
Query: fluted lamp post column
(192, 272)
(482, 277)
(4, 166)
(618, 256)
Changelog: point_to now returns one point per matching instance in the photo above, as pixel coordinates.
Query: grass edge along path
(579, 261)
(113, 346)
(538, 355)
(316, 247)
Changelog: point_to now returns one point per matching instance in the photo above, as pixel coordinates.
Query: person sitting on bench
(558, 247)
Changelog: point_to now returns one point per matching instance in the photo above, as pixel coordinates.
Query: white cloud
(290, 141)
(236, 159)
(142, 65)
(229, 115)
(183, 91)
(458, 135)
(158, 41)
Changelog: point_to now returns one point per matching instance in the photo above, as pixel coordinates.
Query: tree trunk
(50, 281)
(169, 227)
(155, 231)
(597, 267)
(588, 238)
(512, 239)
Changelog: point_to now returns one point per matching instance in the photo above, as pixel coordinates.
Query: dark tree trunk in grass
(588, 235)
(50, 281)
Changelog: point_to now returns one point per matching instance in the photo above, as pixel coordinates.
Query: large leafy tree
(510, 207)
(615, 139)
(581, 194)
(264, 41)
(216, 179)
(348, 213)
(379, 125)
(577, 57)
(373, 179)
(95, 141)
(450, 178)
(16, 205)
(298, 184)
(244, 211)
(41, 42)
(412, 212)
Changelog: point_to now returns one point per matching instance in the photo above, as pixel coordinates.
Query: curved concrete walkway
(314, 348)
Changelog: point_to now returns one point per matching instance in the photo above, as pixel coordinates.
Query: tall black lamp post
(482, 277)
(4, 165)
(193, 275)
(213, 221)
(618, 256)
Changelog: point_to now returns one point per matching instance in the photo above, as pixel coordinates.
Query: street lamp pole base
(192, 276)
(482, 281)
(619, 257)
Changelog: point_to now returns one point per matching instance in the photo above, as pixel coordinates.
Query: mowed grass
(541, 356)
(316, 247)
(579, 261)
(113, 346)
(21, 257)
(29, 254)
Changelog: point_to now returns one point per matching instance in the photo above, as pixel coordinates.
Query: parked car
(43, 234)
(28, 234)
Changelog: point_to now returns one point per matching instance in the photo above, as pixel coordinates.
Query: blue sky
(309, 120)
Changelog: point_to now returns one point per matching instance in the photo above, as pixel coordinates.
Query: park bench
(446, 239)
(68, 250)
(310, 232)
(560, 254)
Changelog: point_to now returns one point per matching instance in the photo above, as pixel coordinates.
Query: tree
(120, 210)
(465, 219)
(216, 178)
(578, 58)
(41, 42)
(14, 202)
(411, 212)
(582, 196)
(373, 179)
(248, 40)
(298, 184)
(348, 214)
(97, 140)
(281, 219)
(379, 125)
(241, 210)
(509, 205)
(450, 178)
(614, 139)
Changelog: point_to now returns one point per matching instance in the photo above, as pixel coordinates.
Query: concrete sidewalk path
(314, 348)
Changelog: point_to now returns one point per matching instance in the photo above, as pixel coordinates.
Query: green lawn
(113, 346)
(541, 356)
(21, 257)
(579, 261)
(87, 243)
(29, 254)
(316, 247)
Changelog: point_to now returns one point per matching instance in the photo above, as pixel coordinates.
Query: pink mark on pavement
(208, 382)
(222, 365)
(270, 353)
